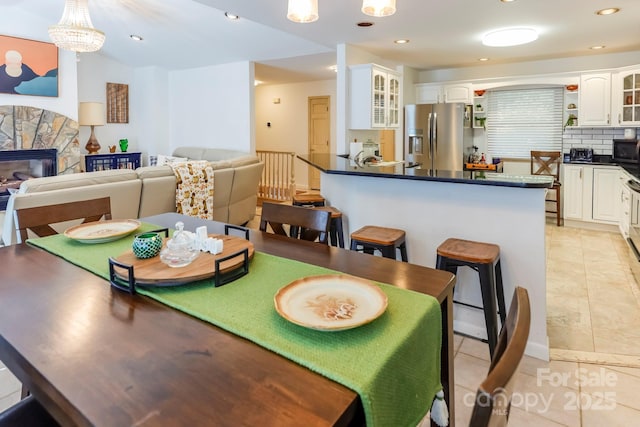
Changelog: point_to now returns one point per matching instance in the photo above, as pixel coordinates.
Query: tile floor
(570, 392)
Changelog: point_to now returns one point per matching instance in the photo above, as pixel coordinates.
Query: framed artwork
(29, 67)
(117, 103)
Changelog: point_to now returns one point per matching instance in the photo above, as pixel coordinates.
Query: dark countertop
(339, 165)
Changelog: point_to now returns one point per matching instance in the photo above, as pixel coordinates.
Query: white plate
(330, 302)
(102, 231)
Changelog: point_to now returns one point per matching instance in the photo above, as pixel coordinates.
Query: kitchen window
(522, 120)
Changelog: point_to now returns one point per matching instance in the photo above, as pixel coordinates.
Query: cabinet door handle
(580, 173)
(619, 118)
(608, 118)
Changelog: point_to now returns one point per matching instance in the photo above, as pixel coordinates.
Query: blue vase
(147, 245)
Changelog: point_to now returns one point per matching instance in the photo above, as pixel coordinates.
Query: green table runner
(393, 363)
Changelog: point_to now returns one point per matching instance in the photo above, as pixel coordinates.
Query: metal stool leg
(340, 232)
(403, 252)
(502, 307)
(487, 287)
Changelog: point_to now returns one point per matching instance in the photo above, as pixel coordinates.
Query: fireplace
(18, 165)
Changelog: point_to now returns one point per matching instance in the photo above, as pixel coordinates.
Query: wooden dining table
(74, 342)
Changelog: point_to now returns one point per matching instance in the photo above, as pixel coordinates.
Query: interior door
(319, 130)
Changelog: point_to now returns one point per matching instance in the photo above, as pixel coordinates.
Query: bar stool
(485, 259)
(384, 239)
(27, 413)
(309, 199)
(336, 235)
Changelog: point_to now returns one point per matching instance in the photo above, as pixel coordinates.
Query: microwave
(625, 150)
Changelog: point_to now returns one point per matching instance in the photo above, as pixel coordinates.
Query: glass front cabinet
(629, 113)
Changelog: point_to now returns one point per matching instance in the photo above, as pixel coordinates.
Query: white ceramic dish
(102, 231)
(330, 302)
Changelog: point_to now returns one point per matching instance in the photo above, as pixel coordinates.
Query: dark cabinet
(100, 162)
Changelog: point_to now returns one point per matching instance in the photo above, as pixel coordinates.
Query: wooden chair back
(493, 398)
(39, 219)
(304, 223)
(546, 163)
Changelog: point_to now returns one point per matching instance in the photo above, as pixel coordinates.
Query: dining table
(95, 355)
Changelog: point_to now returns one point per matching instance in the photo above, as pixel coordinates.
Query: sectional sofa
(147, 190)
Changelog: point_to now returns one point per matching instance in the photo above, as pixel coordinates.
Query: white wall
(213, 107)
(151, 110)
(94, 72)
(16, 23)
(289, 128)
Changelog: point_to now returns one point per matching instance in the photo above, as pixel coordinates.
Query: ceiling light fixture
(483, 59)
(379, 7)
(401, 41)
(365, 24)
(231, 16)
(334, 68)
(597, 47)
(302, 11)
(136, 37)
(75, 31)
(608, 11)
(510, 37)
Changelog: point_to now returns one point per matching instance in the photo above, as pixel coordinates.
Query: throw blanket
(393, 363)
(194, 191)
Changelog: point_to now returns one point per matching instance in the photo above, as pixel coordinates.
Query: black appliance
(581, 155)
(625, 150)
(634, 227)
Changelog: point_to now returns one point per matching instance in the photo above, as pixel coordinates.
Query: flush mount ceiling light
(401, 41)
(483, 59)
(136, 37)
(303, 11)
(608, 11)
(510, 37)
(75, 31)
(379, 7)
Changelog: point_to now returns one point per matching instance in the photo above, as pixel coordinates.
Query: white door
(319, 130)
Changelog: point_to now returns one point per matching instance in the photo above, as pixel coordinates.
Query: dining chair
(548, 163)
(39, 219)
(303, 223)
(493, 398)
(27, 413)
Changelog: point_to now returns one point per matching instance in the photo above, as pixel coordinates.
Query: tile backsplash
(600, 139)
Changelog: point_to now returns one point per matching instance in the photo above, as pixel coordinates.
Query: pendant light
(75, 31)
(379, 7)
(303, 11)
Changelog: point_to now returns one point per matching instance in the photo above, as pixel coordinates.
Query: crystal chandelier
(75, 31)
(379, 7)
(303, 10)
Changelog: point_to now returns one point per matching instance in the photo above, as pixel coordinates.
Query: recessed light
(507, 1)
(364, 24)
(510, 37)
(484, 59)
(334, 68)
(136, 37)
(401, 41)
(608, 11)
(257, 82)
(231, 16)
(597, 47)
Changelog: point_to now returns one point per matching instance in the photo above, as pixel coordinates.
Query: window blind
(522, 120)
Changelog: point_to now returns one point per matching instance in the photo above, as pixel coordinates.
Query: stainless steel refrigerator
(438, 136)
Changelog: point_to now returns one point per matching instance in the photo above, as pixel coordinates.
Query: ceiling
(443, 34)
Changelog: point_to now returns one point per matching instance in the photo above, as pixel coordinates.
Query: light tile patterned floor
(584, 269)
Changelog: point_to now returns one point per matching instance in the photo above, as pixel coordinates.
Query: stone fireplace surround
(29, 130)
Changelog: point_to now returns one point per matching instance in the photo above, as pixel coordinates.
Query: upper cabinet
(429, 93)
(374, 97)
(595, 100)
(628, 98)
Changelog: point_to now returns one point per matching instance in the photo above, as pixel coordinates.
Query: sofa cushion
(48, 183)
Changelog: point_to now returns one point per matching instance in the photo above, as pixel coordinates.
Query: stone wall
(23, 128)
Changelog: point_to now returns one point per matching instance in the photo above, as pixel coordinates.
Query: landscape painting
(29, 67)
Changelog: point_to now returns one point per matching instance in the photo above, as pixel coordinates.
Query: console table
(99, 162)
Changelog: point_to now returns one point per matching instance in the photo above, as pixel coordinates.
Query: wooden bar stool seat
(485, 259)
(336, 234)
(308, 199)
(384, 239)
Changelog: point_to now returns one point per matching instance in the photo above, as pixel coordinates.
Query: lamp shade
(91, 114)
(379, 7)
(303, 10)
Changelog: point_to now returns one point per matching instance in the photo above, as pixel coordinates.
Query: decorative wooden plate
(153, 272)
(102, 231)
(330, 302)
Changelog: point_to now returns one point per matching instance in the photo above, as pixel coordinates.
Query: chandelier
(379, 7)
(75, 31)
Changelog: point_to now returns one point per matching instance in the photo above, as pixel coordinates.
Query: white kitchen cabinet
(595, 100)
(591, 193)
(627, 98)
(625, 209)
(428, 93)
(374, 97)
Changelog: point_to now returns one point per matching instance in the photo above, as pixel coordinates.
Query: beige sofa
(148, 190)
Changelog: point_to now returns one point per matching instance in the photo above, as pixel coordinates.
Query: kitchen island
(432, 206)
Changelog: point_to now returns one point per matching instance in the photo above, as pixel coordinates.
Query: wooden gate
(278, 176)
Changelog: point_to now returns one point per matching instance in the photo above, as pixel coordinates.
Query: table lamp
(91, 114)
